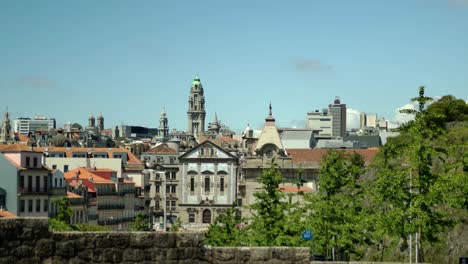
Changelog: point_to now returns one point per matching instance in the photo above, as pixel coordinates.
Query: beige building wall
(74, 163)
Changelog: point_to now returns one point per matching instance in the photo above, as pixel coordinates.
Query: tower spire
(270, 117)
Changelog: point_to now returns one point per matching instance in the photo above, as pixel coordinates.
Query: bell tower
(5, 131)
(196, 108)
(163, 124)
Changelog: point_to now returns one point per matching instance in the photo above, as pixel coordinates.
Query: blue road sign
(307, 235)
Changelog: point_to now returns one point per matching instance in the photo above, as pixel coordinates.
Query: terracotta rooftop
(7, 214)
(18, 148)
(88, 178)
(23, 138)
(315, 155)
(132, 159)
(162, 149)
(294, 189)
(71, 195)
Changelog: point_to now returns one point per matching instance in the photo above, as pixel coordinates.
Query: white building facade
(208, 184)
(26, 125)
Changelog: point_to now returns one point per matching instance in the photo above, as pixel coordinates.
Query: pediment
(207, 150)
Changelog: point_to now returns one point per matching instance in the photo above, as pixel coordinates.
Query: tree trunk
(383, 250)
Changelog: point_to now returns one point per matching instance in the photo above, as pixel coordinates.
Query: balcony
(44, 191)
(106, 192)
(110, 206)
(58, 191)
(123, 192)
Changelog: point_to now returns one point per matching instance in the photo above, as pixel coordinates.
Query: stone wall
(28, 240)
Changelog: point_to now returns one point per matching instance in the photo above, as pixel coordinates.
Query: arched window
(207, 216)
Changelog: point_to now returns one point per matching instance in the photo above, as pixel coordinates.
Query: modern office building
(338, 111)
(24, 125)
(320, 122)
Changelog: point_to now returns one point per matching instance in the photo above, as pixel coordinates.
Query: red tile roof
(132, 159)
(128, 181)
(18, 148)
(162, 149)
(87, 178)
(7, 214)
(23, 138)
(315, 155)
(294, 189)
(71, 195)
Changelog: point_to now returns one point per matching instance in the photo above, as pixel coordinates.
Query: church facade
(208, 184)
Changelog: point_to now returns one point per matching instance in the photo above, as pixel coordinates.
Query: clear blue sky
(128, 59)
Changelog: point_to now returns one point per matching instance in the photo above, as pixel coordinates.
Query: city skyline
(67, 60)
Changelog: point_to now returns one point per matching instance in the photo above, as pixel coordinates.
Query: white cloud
(310, 65)
(352, 118)
(38, 82)
(402, 118)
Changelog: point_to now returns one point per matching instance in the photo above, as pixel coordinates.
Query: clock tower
(196, 108)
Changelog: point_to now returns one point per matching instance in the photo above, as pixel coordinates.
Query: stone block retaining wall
(28, 240)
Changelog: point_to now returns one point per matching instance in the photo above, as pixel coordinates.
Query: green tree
(64, 211)
(226, 230)
(140, 223)
(417, 175)
(267, 226)
(388, 196)
(61, 221)
(336, 210)
(76, 125)
(447, 109)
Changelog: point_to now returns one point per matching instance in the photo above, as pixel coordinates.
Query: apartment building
(26, 182)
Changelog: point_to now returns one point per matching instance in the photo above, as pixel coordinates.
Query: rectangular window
(30, 183)
(46, 205)
(38, 205)
(192, 184)
(158, 188)
(38, 183)
(27, 162)
(30, 205)
(46, 184)
(61, 182)
(35, 162)
(21, 181)
(65, 168)
(168, 204)
(168, 189)
(55, 182)
(173, 189)
(79, 155)
(173, 175)
(191, 218)
(22, 206)
(207, 184)
(54, 167)
(221, 184)
(173, 203)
